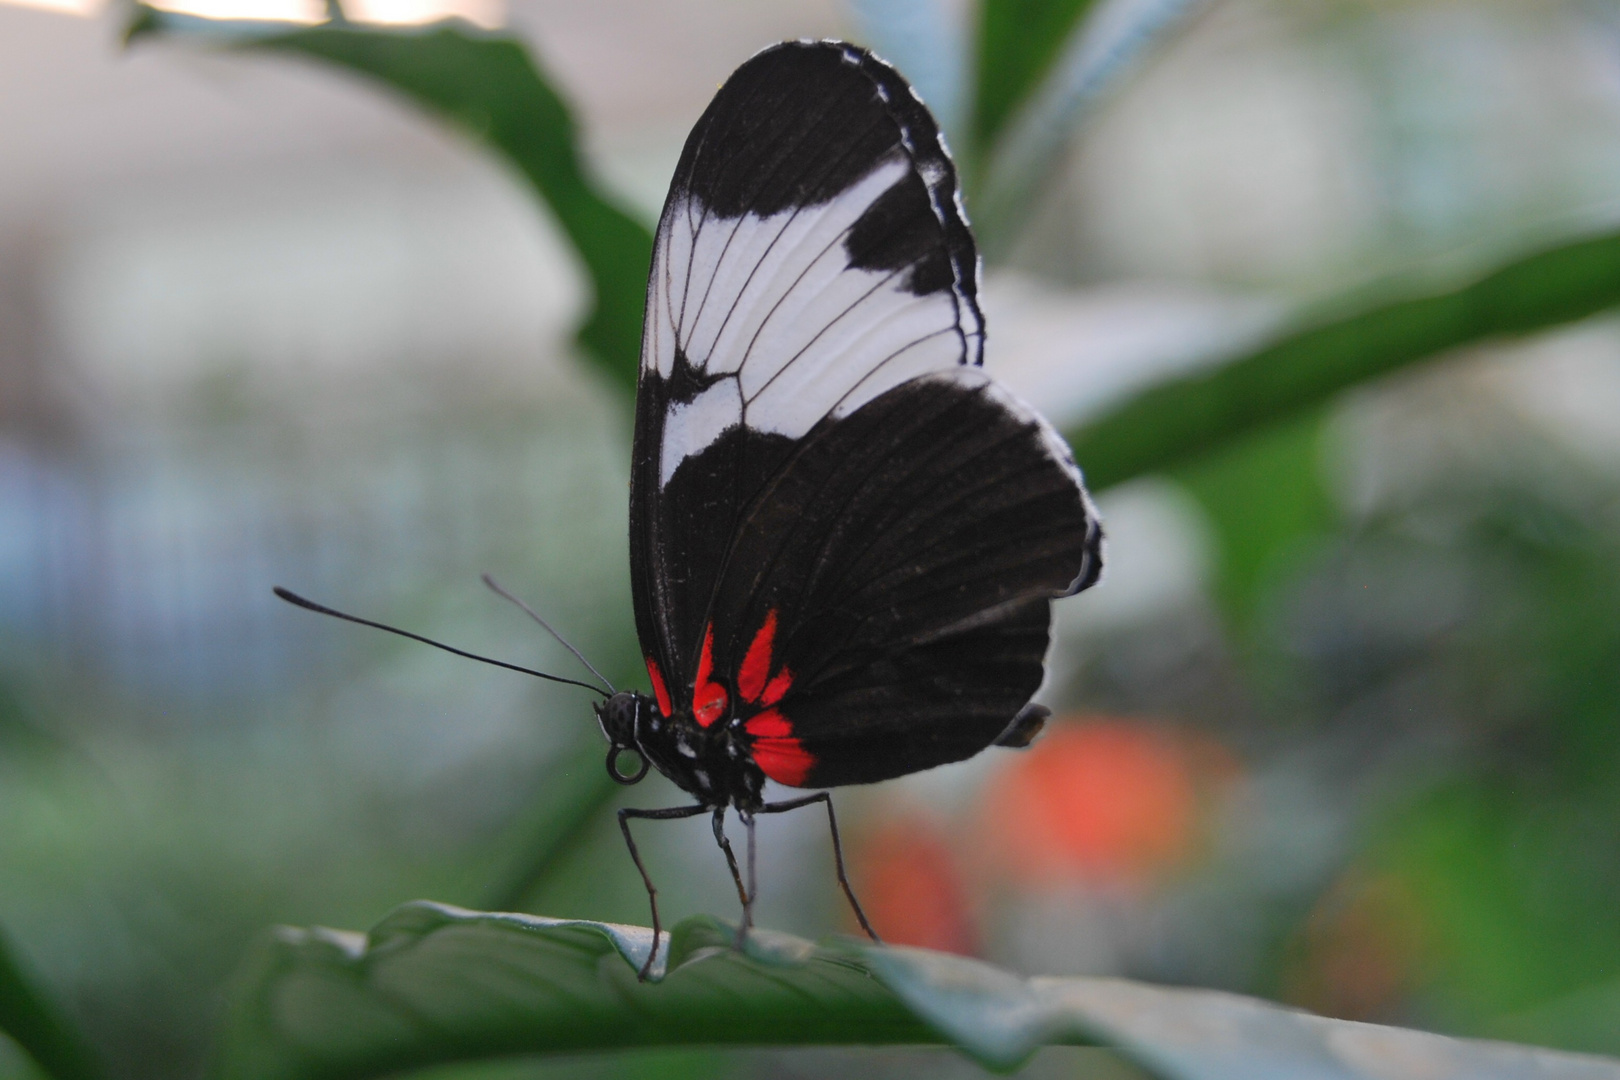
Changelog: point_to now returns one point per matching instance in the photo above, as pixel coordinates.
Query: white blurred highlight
(293, 11)
(486, 13)
(81, 8)
(489, 14)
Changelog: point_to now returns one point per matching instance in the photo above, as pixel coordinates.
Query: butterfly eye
(626, 778)
(619, 717)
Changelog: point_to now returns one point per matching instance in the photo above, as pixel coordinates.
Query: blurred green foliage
(1019, 41)
(38, 1026)
(1186, 418)
(491, 88)
(1510, 858)
(1266, 503)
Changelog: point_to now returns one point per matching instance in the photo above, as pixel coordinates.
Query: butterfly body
(714, 764)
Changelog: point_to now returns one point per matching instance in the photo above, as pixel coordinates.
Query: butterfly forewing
(843, 534)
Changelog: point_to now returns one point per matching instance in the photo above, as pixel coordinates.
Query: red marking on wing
(756, 665)
(708, 696)
(770, 724)
(777, 687)
(777, 753)
(659, 689)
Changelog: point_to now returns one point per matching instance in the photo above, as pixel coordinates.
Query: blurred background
(1341, 725)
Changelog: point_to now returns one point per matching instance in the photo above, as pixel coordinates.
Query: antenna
(321, 609)
(530, 612)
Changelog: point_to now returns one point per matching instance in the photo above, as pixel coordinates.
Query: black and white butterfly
(845, 538)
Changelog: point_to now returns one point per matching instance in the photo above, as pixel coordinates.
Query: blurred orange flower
(1101, 801)
(911, 886)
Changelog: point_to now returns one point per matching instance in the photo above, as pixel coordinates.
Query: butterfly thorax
(711, 763)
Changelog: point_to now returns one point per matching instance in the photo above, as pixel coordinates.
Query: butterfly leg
(666, 814)
(731, 858)
(753, 884)
(745, 893)
(838, 849)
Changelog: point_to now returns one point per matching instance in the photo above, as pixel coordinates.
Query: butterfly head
(620, 719)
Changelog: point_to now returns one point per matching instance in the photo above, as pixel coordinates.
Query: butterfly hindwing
(840, 528)
(905, 559)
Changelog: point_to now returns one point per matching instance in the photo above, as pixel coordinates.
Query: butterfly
(845, 537)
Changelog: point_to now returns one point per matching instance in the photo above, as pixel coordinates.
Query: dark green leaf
(36, 1025)
(1264, 499)
(433, 984)
(1180, 420)
(1018, 42)
(489, 86)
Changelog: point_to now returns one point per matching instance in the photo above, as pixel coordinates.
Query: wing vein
(828, 325)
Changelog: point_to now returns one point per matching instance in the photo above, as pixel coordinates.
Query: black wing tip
(756, 87)
(931, 159)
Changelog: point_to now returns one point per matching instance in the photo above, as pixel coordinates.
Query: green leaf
(1019, 40)
(1264, 499)
(1188, 417)
(1059, 79)
(489, 86)
(433, 984)
(35, 1023)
